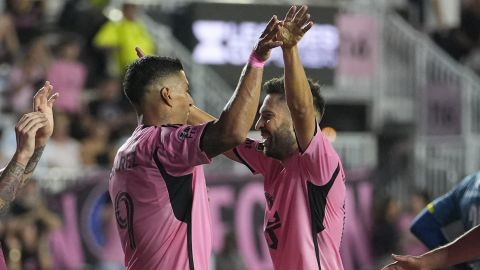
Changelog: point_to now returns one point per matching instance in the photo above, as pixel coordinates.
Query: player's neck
(287, 155)
(285, 160)
(157, 119)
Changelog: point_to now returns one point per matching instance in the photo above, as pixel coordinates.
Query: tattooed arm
(32, 131)
(14, 175)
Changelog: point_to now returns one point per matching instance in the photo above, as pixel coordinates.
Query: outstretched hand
(405, 262)
(294, 26)
(43, 102)
(268, 40)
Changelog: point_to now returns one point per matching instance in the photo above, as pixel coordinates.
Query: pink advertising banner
(358, 39)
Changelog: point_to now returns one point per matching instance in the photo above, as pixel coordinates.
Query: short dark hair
(277, 86)
(145, 71)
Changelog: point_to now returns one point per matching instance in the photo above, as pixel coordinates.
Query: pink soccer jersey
(305, 210)
(158, 189)
(3, 265)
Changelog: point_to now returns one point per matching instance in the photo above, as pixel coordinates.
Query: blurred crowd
(452, 24)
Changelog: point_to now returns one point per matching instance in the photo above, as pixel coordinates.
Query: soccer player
(32, 131)
(466, 247)
(157, 186)
(304, 180)
(462, 203)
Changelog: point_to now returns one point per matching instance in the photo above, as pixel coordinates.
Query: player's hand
(26, 131)
(43, 102)
(267, 40)
(295, 25)
(139, 51)
(406, 262)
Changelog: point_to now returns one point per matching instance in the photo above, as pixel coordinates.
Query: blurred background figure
(120, 36)
(63, 150)
(28, 74)
(68, 74)
(386, 233)
(9, 44)
(28, 230)
(408, 243)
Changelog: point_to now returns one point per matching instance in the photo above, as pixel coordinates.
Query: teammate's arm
(32, 131)
(197, 116)
(232, 126)
(13, 176)
(42, 102)
(461, 250)
(297, 90)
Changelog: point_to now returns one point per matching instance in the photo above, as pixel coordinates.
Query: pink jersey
(3, 265)
(161, 205)
(305, 210)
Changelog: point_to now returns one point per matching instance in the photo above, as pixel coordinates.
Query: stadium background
(402, 113)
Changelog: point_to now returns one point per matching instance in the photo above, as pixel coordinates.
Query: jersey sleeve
(320, 161)
(428, 230)
(427, 226)
(250, 153)
(446, 209)
(179, 148)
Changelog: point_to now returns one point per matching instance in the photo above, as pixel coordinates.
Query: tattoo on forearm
(10, 180)
(32, 163)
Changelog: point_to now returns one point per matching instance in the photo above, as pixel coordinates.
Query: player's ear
(166, 96)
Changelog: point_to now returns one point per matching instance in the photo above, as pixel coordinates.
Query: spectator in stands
(28, 74)
(120, 37)
(68, 74)
(95, 148)
(109, 108)
(108, 105)
(461, 41)
(9, 44)
(28, 18)
(9, 49)
(386, 235)
(30, 223)
(85, 17)
(409, 243)
(63, 151)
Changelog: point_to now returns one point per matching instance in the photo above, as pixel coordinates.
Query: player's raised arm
(232, 127)
(42, 102)
(297, 90)
(32, 131)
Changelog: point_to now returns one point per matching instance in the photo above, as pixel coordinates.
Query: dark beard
(281, 145)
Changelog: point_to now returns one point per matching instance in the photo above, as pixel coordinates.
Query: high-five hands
(296, 23)
(267, 40)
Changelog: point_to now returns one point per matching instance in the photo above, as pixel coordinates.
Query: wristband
(253, 61)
